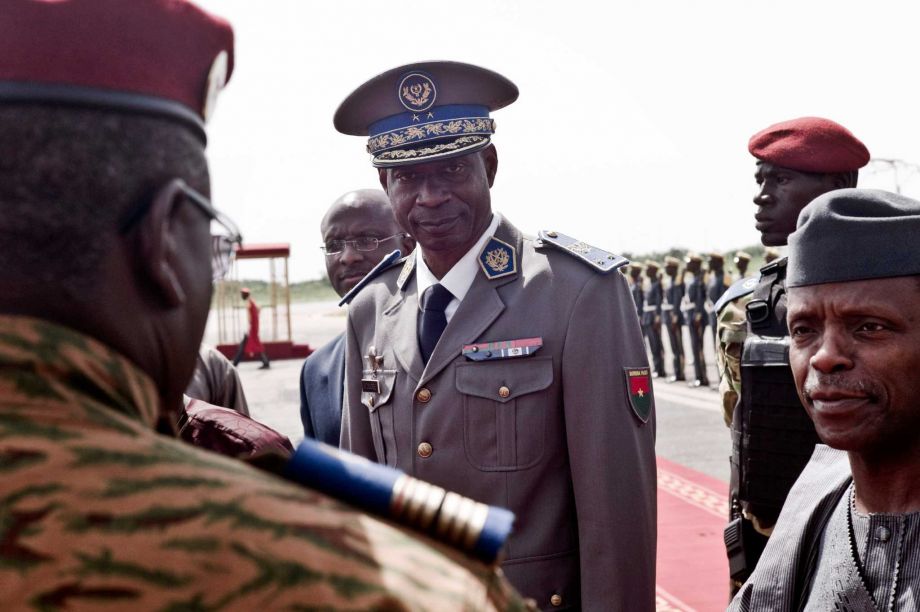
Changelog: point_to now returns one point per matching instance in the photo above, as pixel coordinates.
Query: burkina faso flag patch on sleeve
(639, 388)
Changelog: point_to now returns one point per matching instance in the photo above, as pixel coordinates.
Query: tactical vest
(772, 435)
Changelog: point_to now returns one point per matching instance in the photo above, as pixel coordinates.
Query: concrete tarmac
(690, 429)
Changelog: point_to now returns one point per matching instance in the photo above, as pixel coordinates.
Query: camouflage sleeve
(166, 528)
(731, 331)
(99, 512)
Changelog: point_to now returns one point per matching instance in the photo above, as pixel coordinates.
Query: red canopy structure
(262, 251)
(231, 318)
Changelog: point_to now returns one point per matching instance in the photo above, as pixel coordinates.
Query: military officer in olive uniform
(693, 308)
(507, 368)
(672, 317)
(651, 316)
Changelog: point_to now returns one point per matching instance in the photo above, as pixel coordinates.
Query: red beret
(163, 57)
(810, 144)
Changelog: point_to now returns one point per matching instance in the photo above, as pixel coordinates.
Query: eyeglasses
(364, 243)
(225, 236)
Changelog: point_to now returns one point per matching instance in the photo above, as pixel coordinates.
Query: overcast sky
(631, 128)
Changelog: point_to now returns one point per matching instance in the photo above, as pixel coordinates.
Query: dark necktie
(432, 320)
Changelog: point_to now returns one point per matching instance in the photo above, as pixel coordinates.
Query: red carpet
(692, 567)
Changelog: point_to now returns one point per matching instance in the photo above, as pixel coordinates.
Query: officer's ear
(490, 159)
(384, 179)
(159, 240)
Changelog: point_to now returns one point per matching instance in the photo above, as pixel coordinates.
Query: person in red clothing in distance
(251, 343)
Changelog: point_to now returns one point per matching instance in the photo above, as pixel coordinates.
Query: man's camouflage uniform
(97, 511)
(731, 326)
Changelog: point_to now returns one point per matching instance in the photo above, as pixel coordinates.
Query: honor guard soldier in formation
(848, 537)
(717, 282)
(772, 437)
(742, 260)
(636, 288)
(509, 368)
(693, 307)
(651, 316)
(106, 281)
(673, 317)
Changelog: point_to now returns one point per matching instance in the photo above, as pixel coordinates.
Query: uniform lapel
(479, 308)
(399, 324)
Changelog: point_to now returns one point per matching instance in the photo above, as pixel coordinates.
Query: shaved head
(371, 202)
(365, 213)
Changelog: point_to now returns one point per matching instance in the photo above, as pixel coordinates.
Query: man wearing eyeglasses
(358, 231)
(105, 287)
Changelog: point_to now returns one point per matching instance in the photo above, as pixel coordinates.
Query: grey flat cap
(855, 234)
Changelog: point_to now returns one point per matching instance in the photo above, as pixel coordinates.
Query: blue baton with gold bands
(474, 527)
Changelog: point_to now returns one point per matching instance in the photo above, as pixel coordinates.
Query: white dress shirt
(459, 278)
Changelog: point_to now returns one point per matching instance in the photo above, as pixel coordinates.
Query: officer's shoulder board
(393, 259)
(739, 288)
(599, 259)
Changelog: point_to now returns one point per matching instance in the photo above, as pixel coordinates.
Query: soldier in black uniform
(772, 436)
(716, 284)
(672, 317)
(651, 316)
(694, 311)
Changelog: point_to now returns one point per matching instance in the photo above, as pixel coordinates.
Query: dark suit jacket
(321, 381)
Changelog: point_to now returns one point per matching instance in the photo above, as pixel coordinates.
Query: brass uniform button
(556, 600)
(425, 450)
(552, 234)
(504, 392)
(423, 395)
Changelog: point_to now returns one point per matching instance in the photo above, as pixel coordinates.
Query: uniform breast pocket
(376, 393)
(504, 411)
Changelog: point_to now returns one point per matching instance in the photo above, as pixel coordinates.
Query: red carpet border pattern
(692, 567)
